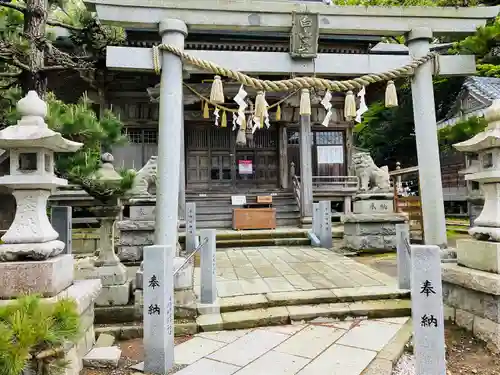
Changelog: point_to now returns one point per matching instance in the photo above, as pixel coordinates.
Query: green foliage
(31, 329)
(389, 133)
(79, 123)
(460, 132)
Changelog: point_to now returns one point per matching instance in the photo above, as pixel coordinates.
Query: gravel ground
(465, 356)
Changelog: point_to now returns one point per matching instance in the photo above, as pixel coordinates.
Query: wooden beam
(327, 64)
(262, 15)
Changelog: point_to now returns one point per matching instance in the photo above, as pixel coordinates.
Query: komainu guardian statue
(371, 177)
(145, 179)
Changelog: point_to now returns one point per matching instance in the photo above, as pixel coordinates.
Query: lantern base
(33, 251)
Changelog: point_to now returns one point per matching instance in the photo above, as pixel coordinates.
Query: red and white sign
(245, 167)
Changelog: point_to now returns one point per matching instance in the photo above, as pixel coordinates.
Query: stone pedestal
(374, 206)
(134, 235)
(46, 278)
(372, 225)
(138, 232)
(371, 232)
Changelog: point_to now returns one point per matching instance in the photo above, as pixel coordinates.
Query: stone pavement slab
(249, 347)
(324, 347)
(273, 269)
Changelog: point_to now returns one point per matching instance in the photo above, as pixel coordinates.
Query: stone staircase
(255, 238)
(250, 311)
(214, 210)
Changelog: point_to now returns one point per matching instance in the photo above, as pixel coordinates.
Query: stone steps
(337, 232)
(228, 222)
(311, 297)
(214, 210)
(268, 316)
(253, 238)
(263, 242)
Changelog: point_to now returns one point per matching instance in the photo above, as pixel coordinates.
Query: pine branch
(10, 74)
(17, 7)
(51, 22)
(13, 60)
(53, 67)
(63, 25)
(9, 85)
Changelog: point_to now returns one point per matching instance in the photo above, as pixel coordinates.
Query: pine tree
(29, 51)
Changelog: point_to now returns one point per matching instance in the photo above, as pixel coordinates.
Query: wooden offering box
(254, 218)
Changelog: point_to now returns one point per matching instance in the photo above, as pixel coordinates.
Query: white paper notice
(330, 154)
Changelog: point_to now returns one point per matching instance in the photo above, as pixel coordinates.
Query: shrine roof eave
(481, 141)
(275, 16)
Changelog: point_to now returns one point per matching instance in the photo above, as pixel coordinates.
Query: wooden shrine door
(214, 162)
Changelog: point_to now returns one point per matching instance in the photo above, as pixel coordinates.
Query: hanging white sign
(330, 154)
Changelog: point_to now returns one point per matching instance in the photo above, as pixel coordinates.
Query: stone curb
(288, 299)
(386, 359)
(137, 331)
(263, 317)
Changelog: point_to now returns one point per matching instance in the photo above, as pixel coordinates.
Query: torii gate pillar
(173, 32)
(429, 166)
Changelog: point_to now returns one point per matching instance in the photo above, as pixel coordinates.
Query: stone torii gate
(172, 19)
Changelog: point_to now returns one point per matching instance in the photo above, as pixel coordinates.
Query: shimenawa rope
(297, 82)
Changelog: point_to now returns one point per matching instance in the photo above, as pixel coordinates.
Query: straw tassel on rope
(305, 102)
(391, 95)
(217, 91)
(206, 112)
(350, 106)
(278, 113)
(223, 123)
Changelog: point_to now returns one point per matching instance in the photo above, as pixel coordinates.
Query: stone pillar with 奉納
(325, 225)
(472, 286)
(158, 309)
(427, 310)
(191, 235)
(32, 259)
(372, 224)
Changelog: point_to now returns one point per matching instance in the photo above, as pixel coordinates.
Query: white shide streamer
(362, 105)
(240, 100)
(217, 116)
(326, 103)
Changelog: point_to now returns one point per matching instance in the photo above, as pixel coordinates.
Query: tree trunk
(35, 21)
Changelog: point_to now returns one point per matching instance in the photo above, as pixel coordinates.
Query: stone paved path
(328, 348)
(246, 271)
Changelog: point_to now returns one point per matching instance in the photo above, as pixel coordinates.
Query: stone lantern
(108, 268)
(471, 286)
(32, 146)
(31, 256)
(487, 173)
